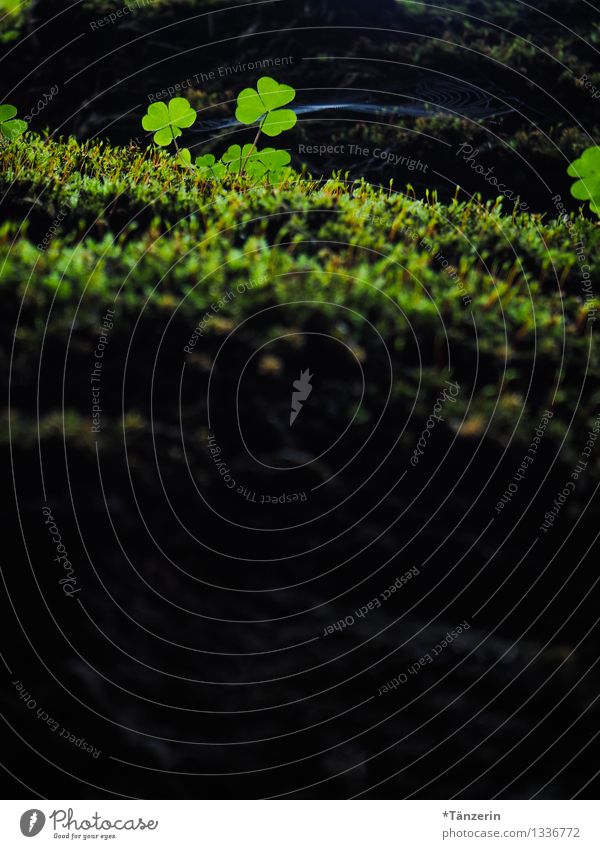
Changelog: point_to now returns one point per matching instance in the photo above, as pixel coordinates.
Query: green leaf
(274, 158)
(205, 161)
(7, 111)
(255, 168)
(181, 113)
(587, 170)
(13, 129)
(210, 168)
(157, 118)
(10, 127)
(264, 103)
(273, 94)
(184, 156)
(257, 164)
(167, 121)
(279, 121)
(235, 157)
(275, 163)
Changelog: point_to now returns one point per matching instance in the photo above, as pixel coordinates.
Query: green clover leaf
(256, 163)
(168, 121)
(246, 157)
(10, 127)
(209, 167)
(184, 156)
(264, 103)
(587, 170)
(274, 159)
(274, 162)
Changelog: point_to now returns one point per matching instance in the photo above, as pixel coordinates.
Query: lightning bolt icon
(303, 389)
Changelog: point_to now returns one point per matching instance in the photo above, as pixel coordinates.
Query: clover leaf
(245, 158)
(587, 170)
(168, 121)
(264, 104)
(255, 163)
(274, 162)
(209, 167)
(10, 127)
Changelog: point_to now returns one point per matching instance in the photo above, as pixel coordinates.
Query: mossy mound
(103, 226)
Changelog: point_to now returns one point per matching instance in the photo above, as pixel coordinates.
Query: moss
(499, 287)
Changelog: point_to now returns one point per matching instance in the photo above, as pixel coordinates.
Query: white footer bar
(301, 824)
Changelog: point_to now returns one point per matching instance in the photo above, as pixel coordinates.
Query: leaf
(10, 127)
(264, 103)
(587, 170)
(275, 158)
(257, 164)
(279, 121)
(7, 111)
(184, 156)
(181, 113)
(13, 129)
(209, 167)
(273, 94)
(167, 121)
(275, 162)
(235, 157)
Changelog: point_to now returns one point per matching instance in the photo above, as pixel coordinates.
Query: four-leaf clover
(10, 127)
(264, 103)
(168, 121)
(587, 170)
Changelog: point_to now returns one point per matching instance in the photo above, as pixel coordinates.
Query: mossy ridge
(92, 181)
(43, 174)
(352, 241)
(338, 252)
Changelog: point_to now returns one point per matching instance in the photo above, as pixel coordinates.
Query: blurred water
(426, 100)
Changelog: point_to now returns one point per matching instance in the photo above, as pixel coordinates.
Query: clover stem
(187, 165)
(252, 146)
